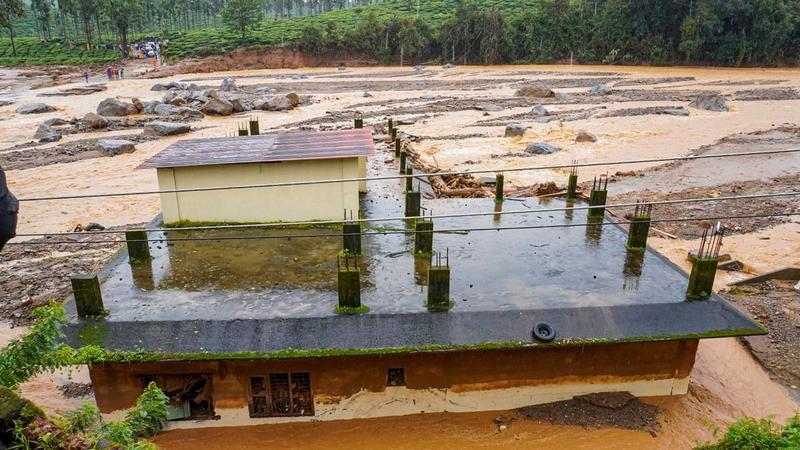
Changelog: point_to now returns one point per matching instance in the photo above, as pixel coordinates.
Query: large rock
(228, 84)
(585, 136)
(515, 129)
(294, 99)
(169, 86)
(46, 133)
(95, 121)
(112, 107)
(239, 103)
(163, 128)
(113, 147)
(276, 103)
(217, 107)
(163, 109)
(540, 148)
(540, 111)
(713, 102)
(137, 104)
(600, 89)
(535, 90)
(35, 108)
(150, 107)
(55, 121)
(14, 408)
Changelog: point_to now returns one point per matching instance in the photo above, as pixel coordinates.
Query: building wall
(349, 387)
(290, 203)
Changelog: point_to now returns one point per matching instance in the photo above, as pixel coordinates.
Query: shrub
(764, 434)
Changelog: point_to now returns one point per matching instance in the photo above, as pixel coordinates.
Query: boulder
(238, 103)
(294, 99)
(540, 148)
(228, 84)
(535, 90)
(448, 66)
(163, 128)
(366, 94)
(95, 121)
(600, 89)
(150, 107)
(35, 108)
(55, 121)
(163, 109)
(276, 103)
(712, 102)
(137, 104)
(112, 107)
(172, 85)
(46, 133)
(113, 147)
(585, 136)
(217, 107)
(540, 110)
(488, 107)
(515, 129)
(265, 90)
(177, 101)
(192, 87)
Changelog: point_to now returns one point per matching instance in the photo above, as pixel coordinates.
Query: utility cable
(403, 176)
(374, 233)
(440, 216)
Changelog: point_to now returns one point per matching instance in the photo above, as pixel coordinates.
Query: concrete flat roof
(266, 148)
(275, 295)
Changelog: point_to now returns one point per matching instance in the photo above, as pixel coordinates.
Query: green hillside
(32, 52)
(289, 31)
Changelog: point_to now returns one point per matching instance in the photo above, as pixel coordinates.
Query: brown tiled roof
(265, 148)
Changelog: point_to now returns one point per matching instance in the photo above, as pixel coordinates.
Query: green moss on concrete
(93, 354)
(439, 308)
(347, 310)
(272, 225)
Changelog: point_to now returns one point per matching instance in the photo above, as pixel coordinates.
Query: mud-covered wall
(117, 385)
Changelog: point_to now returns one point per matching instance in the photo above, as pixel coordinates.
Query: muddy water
(727, 383)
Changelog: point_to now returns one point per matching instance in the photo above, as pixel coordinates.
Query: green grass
(285, 32)
(764, 434)
(31, 52)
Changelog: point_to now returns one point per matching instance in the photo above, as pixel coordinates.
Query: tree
(10, 9)
(121, 13)
(41, 11)
(242, 14)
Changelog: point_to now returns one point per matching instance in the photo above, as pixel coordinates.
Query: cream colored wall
(362, 173)
(400, 401)
(290, 203)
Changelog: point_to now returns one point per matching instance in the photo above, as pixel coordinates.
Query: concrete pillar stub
(88, 298)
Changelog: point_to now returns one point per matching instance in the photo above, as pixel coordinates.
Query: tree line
(720, 32)
(98, 22)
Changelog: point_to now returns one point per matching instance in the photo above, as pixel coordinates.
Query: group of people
(115, 73)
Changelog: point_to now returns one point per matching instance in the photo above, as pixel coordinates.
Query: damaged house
(382, 315)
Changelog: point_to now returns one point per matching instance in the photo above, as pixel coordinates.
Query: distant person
(154, 63)
(86, 76)
(122, 72)
(9, 209)
(108, 73)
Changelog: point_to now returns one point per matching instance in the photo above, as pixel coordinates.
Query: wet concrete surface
(279, 291)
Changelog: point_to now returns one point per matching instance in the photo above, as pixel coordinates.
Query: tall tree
(121, 14)
(9, 10)
(242, 14)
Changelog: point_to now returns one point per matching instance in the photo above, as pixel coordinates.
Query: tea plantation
(31, 52)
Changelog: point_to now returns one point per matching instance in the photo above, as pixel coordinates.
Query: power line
(403, 176)
(441, 216)
(375, 233)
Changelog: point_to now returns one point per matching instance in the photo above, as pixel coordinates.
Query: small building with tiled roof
(247, 161)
